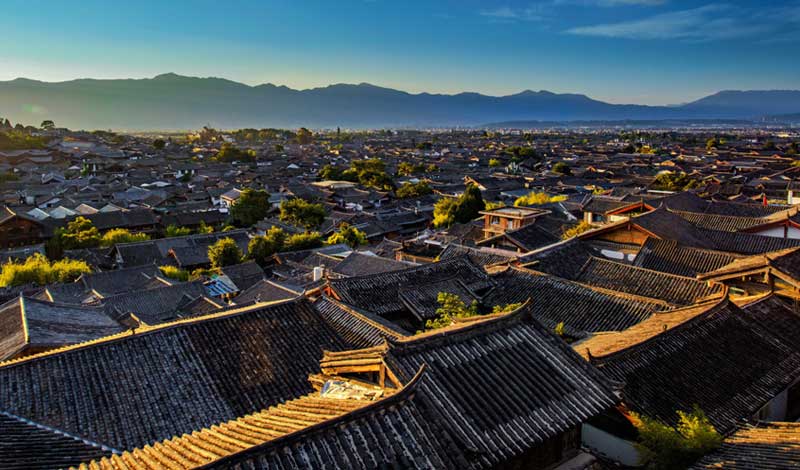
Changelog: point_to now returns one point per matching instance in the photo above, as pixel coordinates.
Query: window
(495, 220)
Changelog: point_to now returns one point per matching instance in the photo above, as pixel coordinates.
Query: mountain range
(175, 102)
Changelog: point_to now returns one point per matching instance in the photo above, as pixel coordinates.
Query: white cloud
(706, 23)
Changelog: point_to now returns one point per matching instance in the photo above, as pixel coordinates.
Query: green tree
(48, 125)
(562, 169)
(303, 241)
(670, 181)
(451, 307)
(79, 233)
(410, 190)
(408, 169)
(121, 235)
(330, 172)
(302, 213)
(493, 163)
(665, 447)
(304, 136)
(175, 231)
(229, 153)
(261, 249)
(252, 206)
(349, 235)
(465, 208)
(225, 252)
(159, 144)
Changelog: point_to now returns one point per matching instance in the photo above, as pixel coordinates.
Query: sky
(620, 51)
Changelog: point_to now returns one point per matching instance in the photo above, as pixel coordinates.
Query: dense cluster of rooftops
(324, 358)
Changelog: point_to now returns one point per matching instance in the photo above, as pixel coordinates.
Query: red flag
(764, 200)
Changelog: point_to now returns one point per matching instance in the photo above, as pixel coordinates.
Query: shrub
(121, 235)
(465, 208)
(176, 273)
(37, 269)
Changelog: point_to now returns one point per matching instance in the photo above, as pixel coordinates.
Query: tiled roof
(360, 328)
(30, 323)
(193, 249)
(395, 432)
(266, 291)
(786, 262)
(360, 264)
(479, 256)
(669, 257)
(495, 383)
(722, 360)
(726, 223)
(137, 388)
(380, 293)
(580, 308)
(766, 446)
(208, 445)
(27, 446)
(564, 259)
(154, 306)
(676, 290)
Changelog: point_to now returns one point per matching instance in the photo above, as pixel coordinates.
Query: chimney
(318, 272)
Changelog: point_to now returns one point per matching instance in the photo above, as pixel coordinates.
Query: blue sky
(623, 51)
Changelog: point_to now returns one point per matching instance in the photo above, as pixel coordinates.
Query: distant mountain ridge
(170, 101)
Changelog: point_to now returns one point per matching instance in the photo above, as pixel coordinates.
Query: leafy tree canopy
(348, 235)
(79, 233)
(411, 190)
(303, 241)
(262, 248)
(37, 269)
(225, 252)
(252, 206)
(302, 213)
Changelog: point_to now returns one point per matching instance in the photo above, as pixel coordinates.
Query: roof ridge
(145, 329)
(608, 261)
(359, 315)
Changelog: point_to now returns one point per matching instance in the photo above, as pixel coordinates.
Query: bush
(121, 235)
(665, 447)
(37, 269)
(173, 272)
(225, 252)
(493, 162)
(175, 231)
(303, 241)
